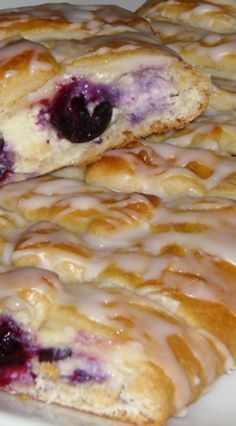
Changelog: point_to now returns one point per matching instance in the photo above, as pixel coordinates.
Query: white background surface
(216, 408)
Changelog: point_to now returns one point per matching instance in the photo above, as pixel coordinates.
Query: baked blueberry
(5, 162)
(14, 345)
(80, 116)
(16, 352)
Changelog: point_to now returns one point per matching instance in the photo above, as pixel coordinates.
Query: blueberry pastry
(65, 102)
(106, 351)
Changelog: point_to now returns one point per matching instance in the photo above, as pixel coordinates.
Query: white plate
(216, 408)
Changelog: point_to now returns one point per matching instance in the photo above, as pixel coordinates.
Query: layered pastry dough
(165, 170)
(122, 357)
(214, 15)
(66, 101)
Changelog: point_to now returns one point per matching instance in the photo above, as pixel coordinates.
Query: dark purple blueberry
(12, 350)
(5, 162)
(70, 115)
(81, 376)
(54, 354)
(16, 351)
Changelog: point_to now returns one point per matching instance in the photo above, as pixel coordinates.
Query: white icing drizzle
(108, 307)
(13, 282)
(213, 131)
(124, 238)
(201, 276)
(213, 15)
(199, 10)
(72, 13)
(79, 20)
(133, 252)
(117, 209)
(13, 47)
(151, 165)
(230, 3)
(215, 46)
(199, 47)
(65, 51)
(10, 73)
(145, 323)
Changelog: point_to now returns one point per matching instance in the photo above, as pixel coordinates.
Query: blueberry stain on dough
(5, 162)
(81, 112)
(81, 376)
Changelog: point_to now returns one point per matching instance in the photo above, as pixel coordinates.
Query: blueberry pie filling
(81, 110)
(20, 353)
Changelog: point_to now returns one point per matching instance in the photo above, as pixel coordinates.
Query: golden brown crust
(210, 52)
(52, 21)
(210, 14)
(164, 170)
(214, 130)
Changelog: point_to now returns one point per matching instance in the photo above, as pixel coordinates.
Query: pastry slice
(213, 15)
(105, 351)
(164, 170)
(69, 103)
